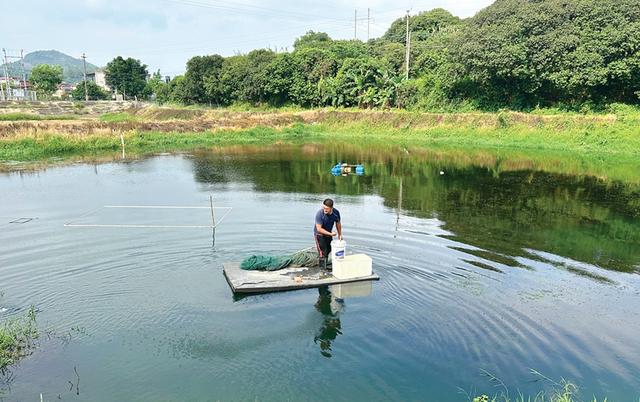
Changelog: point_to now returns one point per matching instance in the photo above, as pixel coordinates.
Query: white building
(99, 78)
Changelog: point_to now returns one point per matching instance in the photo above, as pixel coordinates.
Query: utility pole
(7, 83)
(368, 22)
(24, 73)
(355, 25)
(2, 93)
(86, 92)
(407, 48)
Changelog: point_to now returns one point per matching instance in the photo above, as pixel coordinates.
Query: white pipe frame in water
(212, 226)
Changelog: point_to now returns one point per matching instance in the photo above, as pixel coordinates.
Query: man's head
(327, 206)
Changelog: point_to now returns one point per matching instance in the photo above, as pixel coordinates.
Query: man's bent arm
(339, 227)
(321, 230)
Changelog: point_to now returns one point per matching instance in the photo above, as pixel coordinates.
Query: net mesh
(302, 258)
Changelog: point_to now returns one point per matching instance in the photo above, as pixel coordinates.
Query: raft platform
(291, 278)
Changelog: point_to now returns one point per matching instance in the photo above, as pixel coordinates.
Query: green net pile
(302, 258)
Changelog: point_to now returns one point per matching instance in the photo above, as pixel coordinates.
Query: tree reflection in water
(505, 205)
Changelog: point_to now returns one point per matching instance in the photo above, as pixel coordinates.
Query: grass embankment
(607, 140)
(16, 338)
(592, 133)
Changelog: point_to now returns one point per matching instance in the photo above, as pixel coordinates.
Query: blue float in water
(344, 169)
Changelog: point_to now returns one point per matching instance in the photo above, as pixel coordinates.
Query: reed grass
(560, 391)
(17, 336)
(29, 117)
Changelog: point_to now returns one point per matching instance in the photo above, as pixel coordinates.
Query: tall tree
(94, 92)
(153, 85)
(280, 73)
(174, 91)
(256, 81)
(422, 25)
(311, 67)
(231, 81)
(127, 76)
(201, 69)
(46, 78)
(312, 39)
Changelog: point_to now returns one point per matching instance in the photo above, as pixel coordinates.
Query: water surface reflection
(504, 213)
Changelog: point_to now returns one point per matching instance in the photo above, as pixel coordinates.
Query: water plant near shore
(561, 391)
(17, 336)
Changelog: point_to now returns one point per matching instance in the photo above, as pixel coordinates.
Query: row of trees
(128, 77)
(514, 53)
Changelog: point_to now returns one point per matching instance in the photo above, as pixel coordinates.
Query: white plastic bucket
(338, 249)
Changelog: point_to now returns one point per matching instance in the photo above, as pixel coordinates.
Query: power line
(208, 49)
(7, 83)
(248, 9)
(84, 63)
(210, 46)
(24, 72)
(187, 46)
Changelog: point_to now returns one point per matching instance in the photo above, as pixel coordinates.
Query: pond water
(485, 271)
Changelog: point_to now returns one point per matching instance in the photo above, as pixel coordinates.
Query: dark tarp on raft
(303, 258)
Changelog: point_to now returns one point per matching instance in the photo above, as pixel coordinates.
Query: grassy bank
(592, 133)
(606, 145)
(369, 144)
(16, 338)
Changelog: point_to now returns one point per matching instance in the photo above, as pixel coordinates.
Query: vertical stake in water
(213, 219)
(122, 143)
(399, 207)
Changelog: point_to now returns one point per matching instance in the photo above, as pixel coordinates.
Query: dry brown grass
(489, 120)
(200, 120)
(205, 122)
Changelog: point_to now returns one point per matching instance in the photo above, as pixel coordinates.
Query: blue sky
(164, 34)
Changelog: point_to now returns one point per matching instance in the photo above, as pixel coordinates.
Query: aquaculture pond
(497, 272)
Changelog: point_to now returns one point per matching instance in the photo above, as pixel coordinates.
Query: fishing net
(302, 258)
(305, 258)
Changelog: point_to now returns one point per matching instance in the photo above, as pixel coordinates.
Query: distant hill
(71, 67)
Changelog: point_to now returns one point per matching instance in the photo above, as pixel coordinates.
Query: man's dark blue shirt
(326, 220)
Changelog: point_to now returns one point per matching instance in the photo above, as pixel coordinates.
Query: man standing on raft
(323, 230)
